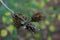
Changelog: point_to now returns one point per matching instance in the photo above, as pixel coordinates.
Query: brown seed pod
(19, 20)
(31, 27)
(37, 17)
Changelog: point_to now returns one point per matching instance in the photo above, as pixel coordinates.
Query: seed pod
(37, 17)
(31, 27)
(19, 20)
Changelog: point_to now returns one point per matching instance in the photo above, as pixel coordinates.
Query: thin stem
(6, 6)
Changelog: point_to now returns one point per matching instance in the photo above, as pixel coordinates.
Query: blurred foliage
(28, 8)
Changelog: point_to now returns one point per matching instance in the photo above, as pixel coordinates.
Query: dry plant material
(37, 17)
(20, 20)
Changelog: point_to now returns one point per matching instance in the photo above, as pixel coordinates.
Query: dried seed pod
(37, 17)
(31, 27)
(19, 20)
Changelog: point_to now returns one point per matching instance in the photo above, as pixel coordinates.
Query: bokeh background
(49, 28)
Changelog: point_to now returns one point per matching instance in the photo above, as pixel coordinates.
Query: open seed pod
(19, 20)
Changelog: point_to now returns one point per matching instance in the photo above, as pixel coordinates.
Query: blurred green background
(50, 8)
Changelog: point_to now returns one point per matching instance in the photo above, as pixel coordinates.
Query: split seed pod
(19, 20)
